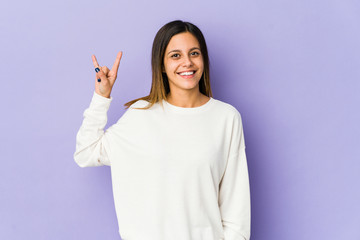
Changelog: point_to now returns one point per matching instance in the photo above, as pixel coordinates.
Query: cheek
(200, 63)
(170, 67)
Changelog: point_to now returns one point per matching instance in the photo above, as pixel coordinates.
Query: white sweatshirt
(177, 173)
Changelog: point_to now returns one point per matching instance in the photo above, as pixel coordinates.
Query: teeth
(187, 73)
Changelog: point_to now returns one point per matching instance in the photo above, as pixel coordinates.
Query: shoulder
(232, 117)
(139, 104)
(132, 115)
(226, 109)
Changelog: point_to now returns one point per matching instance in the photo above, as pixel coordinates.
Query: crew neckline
(188, 110)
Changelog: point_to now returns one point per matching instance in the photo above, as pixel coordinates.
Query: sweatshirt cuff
(100, 102)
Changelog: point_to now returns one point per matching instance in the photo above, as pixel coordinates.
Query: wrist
(103, 95)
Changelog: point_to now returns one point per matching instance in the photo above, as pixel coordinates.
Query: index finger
(96, 64)
(115, 67)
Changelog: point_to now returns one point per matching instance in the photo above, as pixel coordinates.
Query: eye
(175, 55)
(195, 53)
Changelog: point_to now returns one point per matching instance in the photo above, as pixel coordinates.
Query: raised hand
(107, 77)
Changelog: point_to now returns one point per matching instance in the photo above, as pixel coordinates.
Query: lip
(187, 71)
(187, 76)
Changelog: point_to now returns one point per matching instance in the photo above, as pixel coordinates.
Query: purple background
(291, 68)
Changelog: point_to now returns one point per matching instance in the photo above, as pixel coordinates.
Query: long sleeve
(91, 143)
(234, 197)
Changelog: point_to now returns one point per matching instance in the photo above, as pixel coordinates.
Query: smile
(188, 74)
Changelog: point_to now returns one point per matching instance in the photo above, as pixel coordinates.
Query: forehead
(183, 41)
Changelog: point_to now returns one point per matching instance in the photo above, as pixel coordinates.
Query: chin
(188, 86)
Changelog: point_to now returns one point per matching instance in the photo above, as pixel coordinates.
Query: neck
(187, 99)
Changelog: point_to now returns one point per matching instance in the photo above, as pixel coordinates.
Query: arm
(234, 197)
(91, 143)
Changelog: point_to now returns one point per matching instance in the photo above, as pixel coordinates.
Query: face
(183, 62)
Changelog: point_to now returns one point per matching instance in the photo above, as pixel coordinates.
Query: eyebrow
(177, 50)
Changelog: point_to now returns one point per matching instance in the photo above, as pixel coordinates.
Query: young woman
(177, 156)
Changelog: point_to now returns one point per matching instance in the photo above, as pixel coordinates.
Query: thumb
(105, 70)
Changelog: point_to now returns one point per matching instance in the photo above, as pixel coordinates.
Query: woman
(177, 156)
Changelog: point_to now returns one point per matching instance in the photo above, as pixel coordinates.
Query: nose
(187, 62)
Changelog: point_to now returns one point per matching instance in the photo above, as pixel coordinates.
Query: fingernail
(97, 69)
(99, 80)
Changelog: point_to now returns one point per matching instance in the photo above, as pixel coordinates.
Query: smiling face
(183, 62)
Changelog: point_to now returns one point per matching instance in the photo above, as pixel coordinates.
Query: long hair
(160, 83)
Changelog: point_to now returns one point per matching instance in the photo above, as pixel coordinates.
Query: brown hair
(160, 84)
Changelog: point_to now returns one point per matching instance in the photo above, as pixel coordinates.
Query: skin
(106, 75)
(183, 54)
